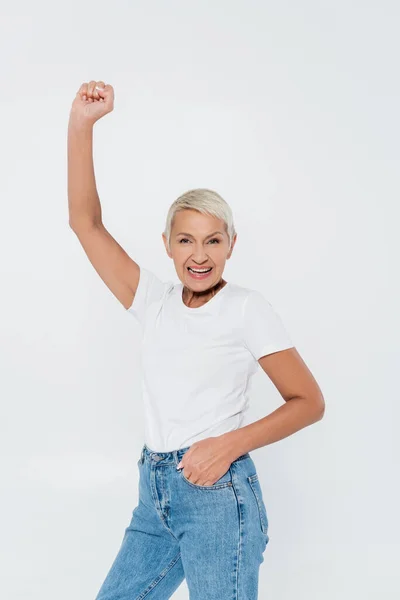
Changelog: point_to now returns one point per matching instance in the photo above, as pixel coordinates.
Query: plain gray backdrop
(288, 110)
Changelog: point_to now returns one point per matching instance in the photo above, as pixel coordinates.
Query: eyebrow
(190, 235)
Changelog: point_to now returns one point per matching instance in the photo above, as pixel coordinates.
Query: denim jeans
(213, 536)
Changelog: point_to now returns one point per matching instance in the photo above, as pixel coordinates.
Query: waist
(173, 456)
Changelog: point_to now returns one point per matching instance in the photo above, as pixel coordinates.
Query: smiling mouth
(199, 271)
(199, 275)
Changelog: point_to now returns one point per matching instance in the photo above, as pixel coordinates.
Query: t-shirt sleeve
(150, 289)
(264, 331)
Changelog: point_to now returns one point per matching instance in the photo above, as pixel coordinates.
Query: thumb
(101, 90)
(106, 92)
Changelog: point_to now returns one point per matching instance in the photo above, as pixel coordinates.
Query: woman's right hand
(92, 101)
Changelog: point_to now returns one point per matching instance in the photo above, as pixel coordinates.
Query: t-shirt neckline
(203, 306)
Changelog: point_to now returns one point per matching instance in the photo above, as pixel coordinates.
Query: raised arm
(118, 271)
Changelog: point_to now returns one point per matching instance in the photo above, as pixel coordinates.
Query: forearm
(292, 416)
(83, 200)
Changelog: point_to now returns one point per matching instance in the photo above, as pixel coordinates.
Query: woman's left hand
(207, 460)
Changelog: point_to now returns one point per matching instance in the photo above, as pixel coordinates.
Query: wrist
(234, 442)
(79, 126)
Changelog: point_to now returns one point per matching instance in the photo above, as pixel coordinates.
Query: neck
(190, 295)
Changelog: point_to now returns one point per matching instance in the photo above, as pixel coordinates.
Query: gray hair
(206, 202)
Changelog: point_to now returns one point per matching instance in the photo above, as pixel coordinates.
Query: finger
(91, 93)
(108, 94)
(82, 92)
(100, 89)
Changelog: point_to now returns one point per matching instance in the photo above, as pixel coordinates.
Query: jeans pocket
(223, 482)
(257, 491)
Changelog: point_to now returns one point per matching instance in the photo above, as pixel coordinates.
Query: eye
(213, 240)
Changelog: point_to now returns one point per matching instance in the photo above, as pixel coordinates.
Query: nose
(199, 256)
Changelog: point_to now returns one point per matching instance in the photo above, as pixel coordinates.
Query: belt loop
(142, 456)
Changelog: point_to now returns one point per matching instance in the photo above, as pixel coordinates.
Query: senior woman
(201, 514)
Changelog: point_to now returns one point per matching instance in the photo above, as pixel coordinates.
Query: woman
(201, 514)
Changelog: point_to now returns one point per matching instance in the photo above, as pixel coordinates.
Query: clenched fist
(92, 101)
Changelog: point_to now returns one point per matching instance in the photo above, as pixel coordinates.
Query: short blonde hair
(206, 202)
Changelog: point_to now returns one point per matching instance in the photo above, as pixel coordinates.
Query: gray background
(290, 111)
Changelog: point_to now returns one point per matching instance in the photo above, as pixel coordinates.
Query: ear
(233, 245)
(166, 245)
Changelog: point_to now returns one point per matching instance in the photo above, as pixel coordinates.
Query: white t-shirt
(197, 362)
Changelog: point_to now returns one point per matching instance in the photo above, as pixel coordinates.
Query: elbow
(320, 407)
(315, 406)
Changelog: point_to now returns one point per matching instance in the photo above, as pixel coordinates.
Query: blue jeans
(213, 536)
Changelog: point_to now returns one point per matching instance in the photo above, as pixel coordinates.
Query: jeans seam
(236, 491)
(263, 524)
(159, 510)
(159, 577)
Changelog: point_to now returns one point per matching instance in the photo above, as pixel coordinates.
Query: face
(195, 243)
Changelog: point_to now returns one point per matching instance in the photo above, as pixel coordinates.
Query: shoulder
(247, 297)
(151, 290)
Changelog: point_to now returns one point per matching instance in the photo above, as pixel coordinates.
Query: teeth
(199, 271)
